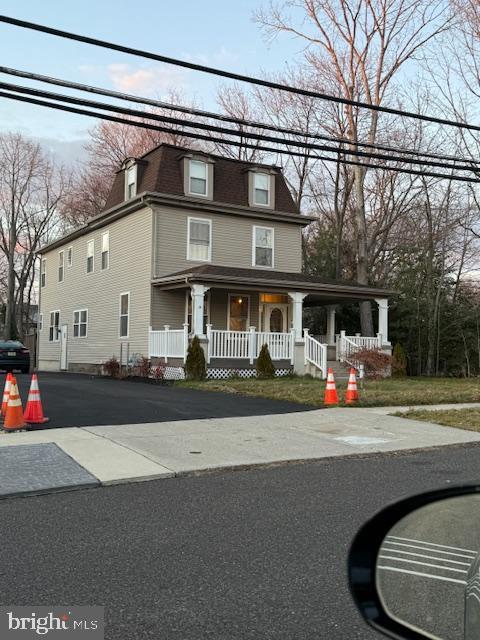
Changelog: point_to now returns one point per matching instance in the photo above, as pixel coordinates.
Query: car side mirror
(414, 568)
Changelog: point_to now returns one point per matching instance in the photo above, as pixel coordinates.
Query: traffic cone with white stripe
(6, 393)
(14, 420)
(331, 396)
(34, 410)
(351, 397)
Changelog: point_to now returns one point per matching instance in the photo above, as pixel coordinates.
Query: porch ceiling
(318, 290)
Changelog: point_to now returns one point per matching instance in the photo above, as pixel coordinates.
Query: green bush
(195, 367)
(399, 361)
(265, 368)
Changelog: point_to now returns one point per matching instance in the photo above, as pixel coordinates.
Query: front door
(276, 318)
(63, 347)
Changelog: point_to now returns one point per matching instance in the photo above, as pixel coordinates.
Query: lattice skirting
(174, 373)
(224, 374)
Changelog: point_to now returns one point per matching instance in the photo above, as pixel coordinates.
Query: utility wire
(199, 136)
(229, 74)
(222, 117)
(224, 130)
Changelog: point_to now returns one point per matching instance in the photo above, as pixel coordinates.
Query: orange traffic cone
(14, 416)
(331, 396)
(351, 397)
(6, 392)
(34, 410)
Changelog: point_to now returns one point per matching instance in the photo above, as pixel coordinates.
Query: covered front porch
(234, 312)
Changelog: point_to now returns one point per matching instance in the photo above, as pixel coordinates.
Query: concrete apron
(137, 452)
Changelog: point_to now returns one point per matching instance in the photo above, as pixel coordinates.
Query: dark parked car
(14, 355)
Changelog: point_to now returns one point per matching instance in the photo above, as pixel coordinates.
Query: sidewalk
(127, 453)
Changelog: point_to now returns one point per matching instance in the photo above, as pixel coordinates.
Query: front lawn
(376, 393)
(461, 418)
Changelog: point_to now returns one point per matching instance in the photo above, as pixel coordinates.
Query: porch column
(198, 301)
(330, 325)
(383, 318)
(297, 299)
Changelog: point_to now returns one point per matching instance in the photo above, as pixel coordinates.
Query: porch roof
(318, 289)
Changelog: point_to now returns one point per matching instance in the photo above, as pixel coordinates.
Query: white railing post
(341, 346)
(379, 340)
(150, 337)
(251, 344)
(306, 337)
(185, 341)
(293, 336)
(209, 343)
(167, 329)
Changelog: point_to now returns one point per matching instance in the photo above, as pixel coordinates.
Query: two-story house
(191, 244)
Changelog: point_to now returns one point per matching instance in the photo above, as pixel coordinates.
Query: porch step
(340, 370)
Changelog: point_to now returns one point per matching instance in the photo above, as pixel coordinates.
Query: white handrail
(168, 343)
(348, 346)
(246, 345)
(316, 353)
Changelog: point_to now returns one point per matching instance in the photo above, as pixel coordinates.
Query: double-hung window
(69, 256)
(198, 178)
(61, 265)
(90, 256)
(124, 315)
(130, 182)
(199, 239)
(80, 323)
(43, 272)
(54, 328)
(105, 250)
(261, 189)
(263, 241)
(238, 312)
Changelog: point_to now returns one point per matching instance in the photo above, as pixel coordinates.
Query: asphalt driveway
(76, 400)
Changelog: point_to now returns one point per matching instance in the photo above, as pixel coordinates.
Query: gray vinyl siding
(168, 307)
(129, 270)
(231, 241)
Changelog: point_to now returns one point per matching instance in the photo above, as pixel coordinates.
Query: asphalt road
(238, 556)
(76, 400)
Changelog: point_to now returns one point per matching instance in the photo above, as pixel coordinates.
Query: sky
(219, 33)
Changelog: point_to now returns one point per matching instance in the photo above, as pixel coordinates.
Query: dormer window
(261, 189)
(130, 181)
(198, 183)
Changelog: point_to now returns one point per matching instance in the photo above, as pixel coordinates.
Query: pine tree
(265, 368)
(195, 366)
(399, 364)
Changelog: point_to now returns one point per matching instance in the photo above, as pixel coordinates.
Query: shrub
(376, 363)
(158, 372)
(195, 367)
(399, 361)
(142, 367)
(112, 367)
(265, 368)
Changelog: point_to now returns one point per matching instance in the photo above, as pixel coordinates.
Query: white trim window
(199, 241)
(80, 323)
(238, 312)
(124, 315)
(198, 178)
(61, 265)
(90, 256)
(43, 272)
(105, 250)
(54, 328)
(130, 182)
(69, 256)
(261, 189)
(263, 246)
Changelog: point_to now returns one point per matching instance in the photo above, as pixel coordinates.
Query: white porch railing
(168, 343)
(348, 346)
(315, 353)
(247, 344)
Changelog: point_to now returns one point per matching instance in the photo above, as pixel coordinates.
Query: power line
(229, 74)
(223, 130)
(236, 143)
(224, 118)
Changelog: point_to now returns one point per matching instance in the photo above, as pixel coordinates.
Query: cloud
(153, 80)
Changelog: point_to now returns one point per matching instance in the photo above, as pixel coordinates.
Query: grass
(376, 393)
(461, 418)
